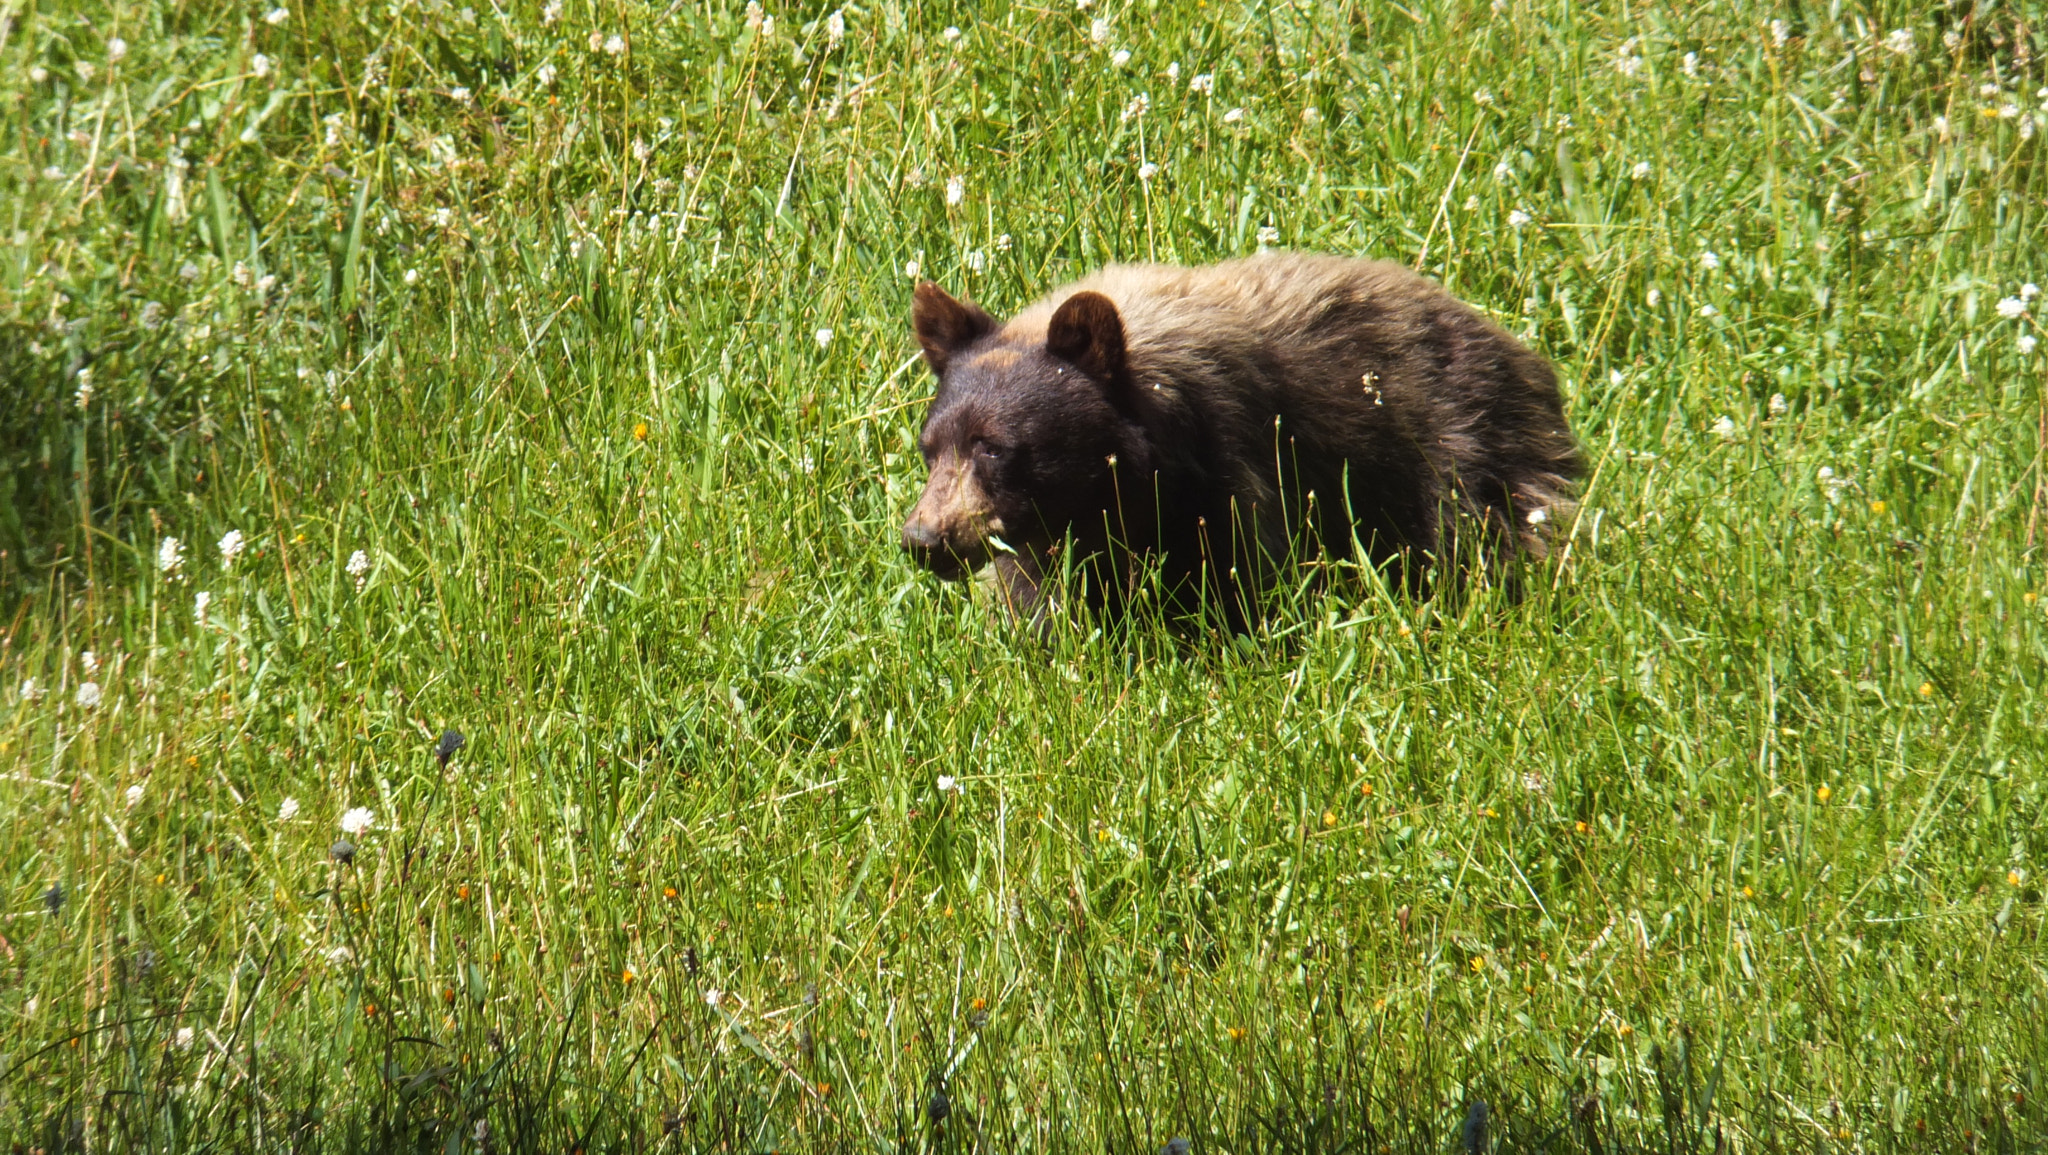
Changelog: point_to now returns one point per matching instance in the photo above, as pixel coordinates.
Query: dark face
(1020, 442)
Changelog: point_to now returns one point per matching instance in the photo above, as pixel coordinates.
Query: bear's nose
(920, 537)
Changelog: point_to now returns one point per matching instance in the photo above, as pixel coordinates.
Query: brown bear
(1207, 427)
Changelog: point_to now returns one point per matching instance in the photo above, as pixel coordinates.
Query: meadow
(541, 374)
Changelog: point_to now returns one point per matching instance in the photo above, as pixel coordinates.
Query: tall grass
(499, 335)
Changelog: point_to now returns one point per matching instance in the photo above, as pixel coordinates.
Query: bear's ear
(945, 326)
(1087, 333)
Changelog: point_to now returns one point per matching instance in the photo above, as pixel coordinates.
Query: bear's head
(1027, 434)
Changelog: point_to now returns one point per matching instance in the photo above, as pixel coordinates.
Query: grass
(1728, 836)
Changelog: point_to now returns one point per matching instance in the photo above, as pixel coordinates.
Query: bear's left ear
(1087, 333)
(944, 325)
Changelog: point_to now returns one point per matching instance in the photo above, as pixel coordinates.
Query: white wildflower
(358, 564)
(1517, 218)
(1653, 298)
(2012, 308)
(30, 691)
(1780, 34)
(276, 16)
(552, 12)
(947, 783)
(135, 796)
(1535, 783)
(460, 95)
(1615, 377)
(1778, 406)
(200, 601)
(90, 661)
(339, 955)
(1503, 170)
(116, 49)
(1269, 235)
(1233, 116)
(545, 75)
(951, 35)
(1202, 83)
(183, 1038)
(1147, 171)
(2029, 291)
(1641, 171)
(1538, 516)
(89, 695)
(1483, 96)
(170, 555)
(1120, 57)
(2008, 111)
(288, 810)
(1311, 116)
(956, 189)
(755, 16)
(260, 65)
(2027, 343)
(231, 544)
(1987, 91)
(835, 28)
(1173, 72)
(83, 397)
(1710, 260)
(1139, 106)
(412, 276)
(1690, 64)
(913, 268)
(1098, 31)
(614, 44)
(357, 820)
(1900, 42)
(38, 73)
(1724, 428)
(1709, 311)
(1940, 126)
(713, 996)
(824, 338)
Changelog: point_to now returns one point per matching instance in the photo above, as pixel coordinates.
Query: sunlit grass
(499, 339)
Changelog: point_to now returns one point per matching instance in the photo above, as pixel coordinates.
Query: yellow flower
(2012, 877)
(626, 976)
(640, 431)
(1824, 794)
(1366, 790)
(1236, 1034)
(1580, 827)
(978, 1005)
(668, 892)
(1625, 1029)
(1748, 893)
(1329, 818)
(1927, 689)
(1478, 963)
(2030, 597)
(1877, 507)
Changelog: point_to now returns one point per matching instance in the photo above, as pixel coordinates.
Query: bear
(1209, 427)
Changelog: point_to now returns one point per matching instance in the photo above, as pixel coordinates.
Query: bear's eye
(986, 450)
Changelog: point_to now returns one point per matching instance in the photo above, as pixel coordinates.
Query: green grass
(1730, 832)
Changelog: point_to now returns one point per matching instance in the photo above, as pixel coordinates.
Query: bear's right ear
(945, 326)
(1087, 332)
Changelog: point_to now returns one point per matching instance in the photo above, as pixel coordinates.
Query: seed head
(343, 851)
(451, 741)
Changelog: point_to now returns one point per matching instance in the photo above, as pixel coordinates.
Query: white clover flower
(713, 996)
(1710, 260)
(231, 544)
(824, 337)
(1778, 406)
(1233, 116)
(1120, 57)
(1269, 235)
(956, 189)
(116, 49)
(170, 555)
(1202, 83)
(1139, 106)
(357, 820)
(83, 397)
(412, 276)
(1538, 516)
(358, 564)
(1690, 64)
(2027, 343)
(200, 601)
(1098, 31)
(183, 1038)
(460, 95)
(1482, 96)
(288, 810)
(1173, 72)
(260, 65)
(1517, 218)
(90, 661)
(2029, 291)
(951, 34)
(2008, 111)
(835, 28)
(1709, 311)
(913, 268)
(1503, 170)
(1147, 171)
(86, 70)
(1940, 126)
(947, 783)
(1900, 42)
(135, 796)
(1615, 377)
(1003, 243)
(545, 75)
(2012, 308)
(1653, 298)
(30, 691)
(1987, 91)
(276, 16)
(1780, 34)
(755, 16)
(1724, 428)
(89, 695)
(339, 955)
(614, 44)
(1641, 171)
(1311, 115)
(38, 73)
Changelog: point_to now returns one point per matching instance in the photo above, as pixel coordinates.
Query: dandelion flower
(170, 555)
(1824, 793)
(230, 547)
(135, 796)
(824, 337)
(357, 820)
(2015, 876)
(1518, 218)
(288, 810)
(89, 695)
(640, 431)
(2012, 308)
(956, 189)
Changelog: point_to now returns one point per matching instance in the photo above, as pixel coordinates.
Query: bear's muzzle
(949, 529)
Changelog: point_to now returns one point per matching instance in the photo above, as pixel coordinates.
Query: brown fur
(1210, 420)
